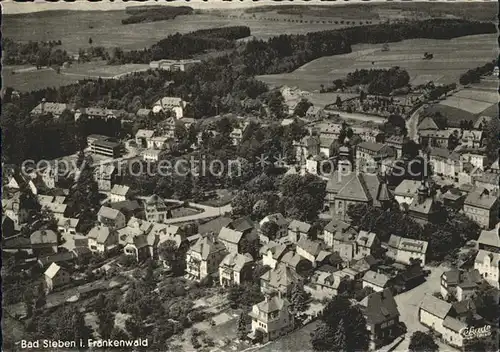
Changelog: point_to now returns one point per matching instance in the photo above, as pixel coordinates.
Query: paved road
(412, 123)
(358, 116)
(409, 303)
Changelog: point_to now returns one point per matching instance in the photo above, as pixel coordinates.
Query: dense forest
(183, 46)
(34, 53)
(155, 13)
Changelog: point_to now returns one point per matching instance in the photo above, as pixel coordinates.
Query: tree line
(183, 46)
(34, 53)
(140, 14)
(474, 75)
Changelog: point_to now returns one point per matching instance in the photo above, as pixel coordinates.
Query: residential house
(482, 207)
(306, 147)
(170, 104)
(12, 208)
(367, 243)
(460, 285)
(297, 230)
(344, 243)
(471, 138)
(235, 269)
(278, 219)
(324, 284)
(155, 209)
(315, 113)
(296, 262)
(105, 176)
(331, 229)
(377, 281)
(281, 279)
(138, 246)
(489, 240)
(153, 155)
(495, 168)
(434, 313)
(173, 65)
(143, 136)
(309, 249)
(99, 113)
(68, 226)
(272, 318)
(396, 143)
(476, 157)
(325, 146)
(119, 193)
(214, 225)
(55, 276)
(272, 253)
(488, 265)
(487, 180)
(44, 242)
(55, 109)
(204, 257)
(135, 227)
(231, 239)
(111, 218)
(102, 239)
(129, 208)
(437, 138)
(405, 250)
(382, 317)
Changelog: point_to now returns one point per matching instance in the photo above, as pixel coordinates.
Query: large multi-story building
(487, 260)
(404, 250)
(482, 206)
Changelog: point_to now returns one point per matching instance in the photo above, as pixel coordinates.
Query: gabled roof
(291, 259)
(229, 235)
(52, 270)
(43, 237)
(366, 239)
(481, 198)
(205, 246)
(120, 190)
(412, 245)
(144, 133)
(236, 261)
(489, 238)
(311, 247)
(428, 124)
(493, 257)
(427, 206)
(278, 218)
(371, 146)
(380, 307)
(495, 166)
(272, 305)
(99, 233)
(355, 189)
(281, 276)
(108, 213)
(242, 224)
(296, 225)
(435, 306)
(214, 225)
(453, 324)
(69, 222)
(377, 279)
(337, 180)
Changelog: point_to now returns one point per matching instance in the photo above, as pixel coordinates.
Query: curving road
(412, 123)
(206, 212)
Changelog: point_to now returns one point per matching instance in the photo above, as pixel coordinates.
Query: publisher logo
(471, 332)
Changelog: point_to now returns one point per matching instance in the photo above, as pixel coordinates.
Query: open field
(451, 59)
(469, 105)
(74, 28)
(34, 80)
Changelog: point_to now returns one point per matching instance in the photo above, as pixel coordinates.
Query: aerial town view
(252, 176)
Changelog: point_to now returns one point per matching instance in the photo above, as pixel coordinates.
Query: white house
(173, 104)
(272, 317)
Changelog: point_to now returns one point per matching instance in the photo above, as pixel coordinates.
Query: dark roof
(214, 225)
(126, 206)
(242, 224)
(56, 258)
(380, 307)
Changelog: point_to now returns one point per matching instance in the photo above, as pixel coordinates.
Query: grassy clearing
(451, 59)
(469, 105)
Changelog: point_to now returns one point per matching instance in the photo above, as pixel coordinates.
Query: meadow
(74, 28)
(451, 59)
